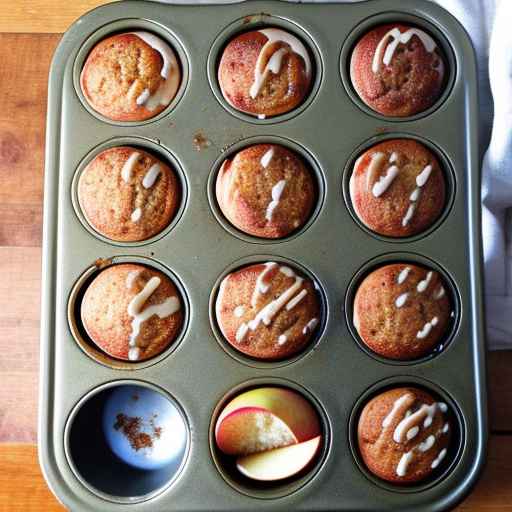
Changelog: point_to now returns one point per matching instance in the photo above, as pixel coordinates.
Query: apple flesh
(263, 419)
(280, 463)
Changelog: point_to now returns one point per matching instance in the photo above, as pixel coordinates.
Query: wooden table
(29, 33)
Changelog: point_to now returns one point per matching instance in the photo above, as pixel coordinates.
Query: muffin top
(397, 188)
(267, 311)
(402, 311)
(397, 70)
(132, 312)
(265, 72)
(404, 435)
(266, 190)
(131, 76)
(128, 195)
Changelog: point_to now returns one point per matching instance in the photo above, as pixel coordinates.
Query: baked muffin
(402, 311)
(132, 312)
(268, 311)
(265, 72)
(398, 70)
(403, 435)
(397, 188)
(131, 76)
(128, 195)
(266, 191)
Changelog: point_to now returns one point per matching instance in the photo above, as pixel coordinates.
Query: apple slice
(279, 463)
(263, 419)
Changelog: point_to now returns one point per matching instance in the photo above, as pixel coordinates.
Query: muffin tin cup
(199, 370)
(386, 259)
(151, 483)
(128, 25)
(154, 148)
(446, 168)
(78, 330)
(258, 363)
(258, 21)
(301, 152)
(272, 490)
(431, 26)
(457, 423)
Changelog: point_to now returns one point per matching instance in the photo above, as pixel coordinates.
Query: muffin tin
(199, 372)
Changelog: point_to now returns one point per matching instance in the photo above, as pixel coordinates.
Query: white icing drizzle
(403, 275)
(131, 277)
(409, 214)
(267, 314)
(170, 73)
(421, 179)
(287, 299)
(427, 328)
(415, 195)
(399, 403)
(439, 458)
(241, 332)
(134, 353)
(282, 339)
(151, 176)
(126, 171)
(296, 300)
(425, 411)
(143, 97)
(376, 162)
(423, 176)
(261, 71)
(267, 157)
(385, 181)
(136, 215)
(409, 426)
(389, 47)
(439, 293)
(393, 158)
(401, 469)
(412, 433)
(239, 311)
(423, 285)
(310, 326)
(167, 308)
(277, 191)
(287, 271)
(401, 300)
(261, 285)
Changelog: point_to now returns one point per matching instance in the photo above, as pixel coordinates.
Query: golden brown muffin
(402, 311)
(268, 311)
(132, 312)
(266, 190)
(404, 435)
(128, 195)
(265, 73)
(131, 76)
(397, 188)
(397, 70)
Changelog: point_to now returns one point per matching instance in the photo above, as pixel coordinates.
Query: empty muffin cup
(127, 441)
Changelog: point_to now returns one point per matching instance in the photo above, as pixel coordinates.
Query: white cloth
(488, 23)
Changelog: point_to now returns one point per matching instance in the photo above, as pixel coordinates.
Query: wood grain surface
(44, 16)
(27, 43)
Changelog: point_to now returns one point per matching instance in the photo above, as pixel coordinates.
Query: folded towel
(488, 24)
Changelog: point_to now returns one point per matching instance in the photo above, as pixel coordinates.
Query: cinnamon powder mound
(131, 429)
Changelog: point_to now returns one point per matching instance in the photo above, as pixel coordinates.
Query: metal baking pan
(200, 371)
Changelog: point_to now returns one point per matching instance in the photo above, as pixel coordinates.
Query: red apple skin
(280, 463)
(287, 405)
